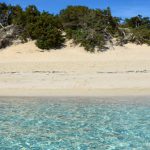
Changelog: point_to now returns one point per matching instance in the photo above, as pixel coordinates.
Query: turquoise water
(75, 123)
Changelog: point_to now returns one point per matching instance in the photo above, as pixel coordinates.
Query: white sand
(26, 71)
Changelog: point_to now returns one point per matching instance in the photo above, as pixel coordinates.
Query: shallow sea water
(50, 123)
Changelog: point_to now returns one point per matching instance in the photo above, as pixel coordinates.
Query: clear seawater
(75, 123)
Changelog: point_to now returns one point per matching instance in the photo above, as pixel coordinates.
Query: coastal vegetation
(94, 29)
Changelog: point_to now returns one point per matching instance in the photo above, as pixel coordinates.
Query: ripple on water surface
(74, 123)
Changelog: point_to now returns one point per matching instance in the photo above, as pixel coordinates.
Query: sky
(119, 8)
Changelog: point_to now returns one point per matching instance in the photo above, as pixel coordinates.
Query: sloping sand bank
(25, 70)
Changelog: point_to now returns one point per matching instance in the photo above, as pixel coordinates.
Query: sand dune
(27, 70)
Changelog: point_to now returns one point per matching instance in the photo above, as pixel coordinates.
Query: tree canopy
(91, 28)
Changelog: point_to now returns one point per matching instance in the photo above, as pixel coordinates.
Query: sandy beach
(26, 70)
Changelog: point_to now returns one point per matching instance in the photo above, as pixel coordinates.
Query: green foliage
(90, 28)
(141, 35)
(4, 11)
(134, 22)
(17, 15)
(140, 28)
(43, 27)
(52, 38)
(87, 27)
(137, 21)
(89, 39)
(71, 17)
(47, 32)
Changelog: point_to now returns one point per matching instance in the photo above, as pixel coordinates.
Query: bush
(87, 27)
(141, 35)
(43, 27)
(51, 39)
(47, 32)
(91, 28)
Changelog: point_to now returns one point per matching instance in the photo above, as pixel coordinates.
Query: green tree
(88, 27)
(47, 32)
(17, 16)
(4, 14)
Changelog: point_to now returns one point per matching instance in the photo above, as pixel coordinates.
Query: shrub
(52, 38)
(141, 35)
(87, 27)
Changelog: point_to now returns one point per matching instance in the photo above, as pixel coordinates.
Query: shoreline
(73, 92)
